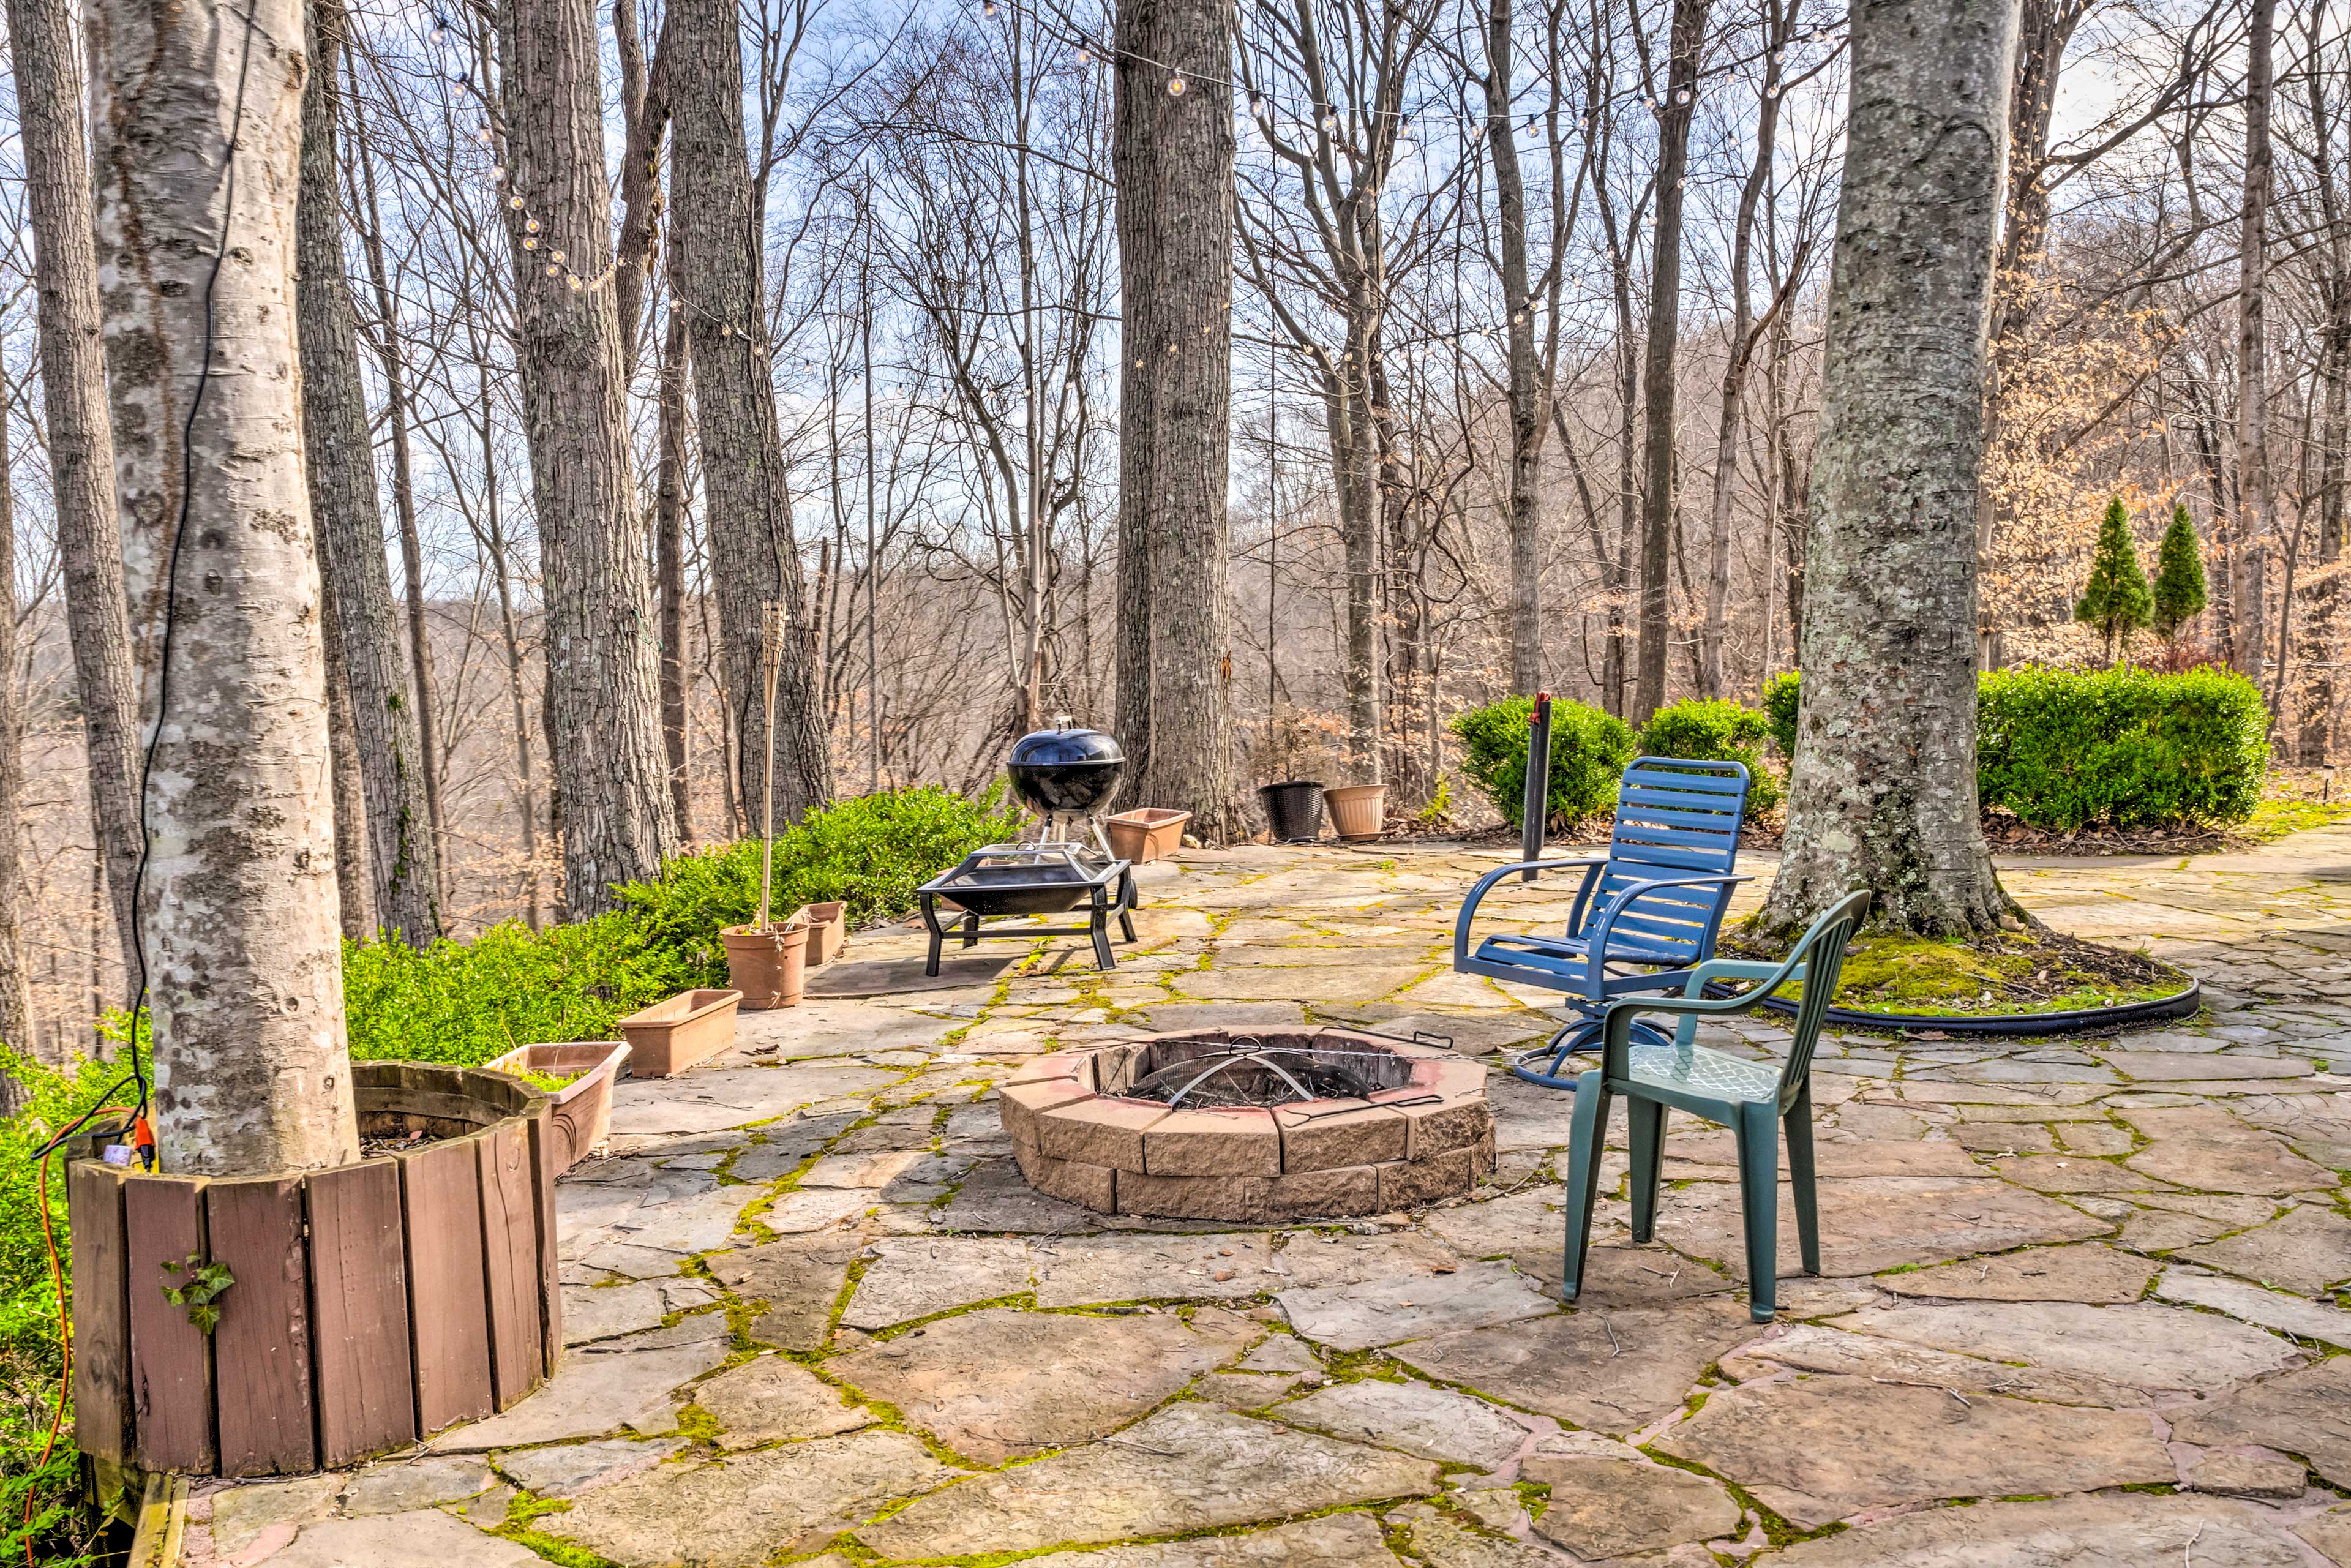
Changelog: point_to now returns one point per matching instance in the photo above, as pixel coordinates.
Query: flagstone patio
(2087, 1286)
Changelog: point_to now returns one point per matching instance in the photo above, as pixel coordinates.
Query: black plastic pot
(1293, 810)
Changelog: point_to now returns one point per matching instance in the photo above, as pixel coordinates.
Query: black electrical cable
(171, 570)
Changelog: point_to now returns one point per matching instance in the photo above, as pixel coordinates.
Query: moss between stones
(2006, 974)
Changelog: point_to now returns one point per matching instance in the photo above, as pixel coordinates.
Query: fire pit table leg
(970, 929)
(938, 937)
(1126, 902)
(1098, 926)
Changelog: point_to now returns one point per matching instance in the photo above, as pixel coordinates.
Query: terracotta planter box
(828, 926)
(767, 967)
(1358, 810)
(374, 1303)
(671, 1036)
(1148, 833)
(584, 1107)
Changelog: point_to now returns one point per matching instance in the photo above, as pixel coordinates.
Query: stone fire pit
(1420, 1131)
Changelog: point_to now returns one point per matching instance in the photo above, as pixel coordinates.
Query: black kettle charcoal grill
(1066, 776)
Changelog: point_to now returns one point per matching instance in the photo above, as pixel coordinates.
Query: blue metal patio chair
(1651, 909)
(1753, 1099)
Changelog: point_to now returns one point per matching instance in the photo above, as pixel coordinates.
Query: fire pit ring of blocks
(1419, 1131)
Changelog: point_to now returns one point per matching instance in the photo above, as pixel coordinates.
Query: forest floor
(2088, 1285)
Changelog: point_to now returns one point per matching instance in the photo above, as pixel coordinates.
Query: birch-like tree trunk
(198, 153)
(2256, 502)
(81, 440)
(754, 555)
(404, 854)
(1884, 789)
(603, 709)
(354, 865)
(1685, 45)
(1173, 156)
(669, 560)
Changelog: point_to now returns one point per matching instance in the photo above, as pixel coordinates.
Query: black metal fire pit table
(1031, 879)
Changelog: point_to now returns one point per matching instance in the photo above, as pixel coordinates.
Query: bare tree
(403, 851)
(81, 438)
(16, 1000)
(2256, 502)
(603, 711)
(754, 557)
(198, 149)
(1884, 793)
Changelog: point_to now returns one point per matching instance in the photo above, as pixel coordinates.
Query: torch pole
(771, 635)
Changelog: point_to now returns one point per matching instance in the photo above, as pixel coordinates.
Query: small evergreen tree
(2179, 576)
(2117, 600)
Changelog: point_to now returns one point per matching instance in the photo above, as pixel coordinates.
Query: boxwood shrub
(1717, 731)
(1589, 749)
(1780, 695)
(2121, 747)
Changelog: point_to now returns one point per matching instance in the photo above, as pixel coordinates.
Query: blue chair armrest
(1605, 923)
(1470, 905)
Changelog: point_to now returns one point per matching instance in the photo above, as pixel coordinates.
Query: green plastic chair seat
(1705, 1077)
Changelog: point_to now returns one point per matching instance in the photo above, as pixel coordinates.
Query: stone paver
(997, 1384)
(2043, 1258)
(1186, 1468)
(1820, 1449)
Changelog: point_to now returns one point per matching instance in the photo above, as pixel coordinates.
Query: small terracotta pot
(1358, 810)
(828, 926)
(1147, 833)
(671, 1036)
(767, 967)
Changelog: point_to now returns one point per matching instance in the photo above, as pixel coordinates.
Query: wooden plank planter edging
(373, 1303)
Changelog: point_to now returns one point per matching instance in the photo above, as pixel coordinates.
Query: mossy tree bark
(404, 862)
(1884, 790)
(603, 708)
(198, 153)
(1173, 154)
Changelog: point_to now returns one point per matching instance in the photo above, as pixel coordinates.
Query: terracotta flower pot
(767, 967)
(1148, 833)
(584, 1107)
(828, 926)
(671, 1036)
(1358, 810)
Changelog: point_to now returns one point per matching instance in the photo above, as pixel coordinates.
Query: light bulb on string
(1329, 119)
(552, 269)
(1683, 96)
(529, 242)
(1257, 107)
(577, 286)
(515, 202)
(483, 136)
(1176, 88)
(497, 171)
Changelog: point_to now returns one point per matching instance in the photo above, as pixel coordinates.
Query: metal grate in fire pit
(1249, 1071)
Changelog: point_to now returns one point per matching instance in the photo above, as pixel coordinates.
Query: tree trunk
(198, 149)
(1524, 497)
(16, 996)
(1711, 679)
(1687, 44)
(2255, 501)
(1884, 791)
(1172, 156)
(754, 555)
(669, 563)
(354, 864)
(2334, 432)
(82, 439)
(404, 854)
(403, 501)
(603, 702)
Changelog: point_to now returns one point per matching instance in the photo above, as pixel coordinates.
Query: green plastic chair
(1753, 1099)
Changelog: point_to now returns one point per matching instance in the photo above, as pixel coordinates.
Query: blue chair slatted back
(1674, 818)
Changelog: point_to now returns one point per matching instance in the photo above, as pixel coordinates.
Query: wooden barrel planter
(373, 1304)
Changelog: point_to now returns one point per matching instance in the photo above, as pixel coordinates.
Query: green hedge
(468, 1001)
(2121, 747)
(1589, 749)
(1717, 731)
(1780, 696)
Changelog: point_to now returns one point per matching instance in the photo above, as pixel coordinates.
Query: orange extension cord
(65, 1325)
